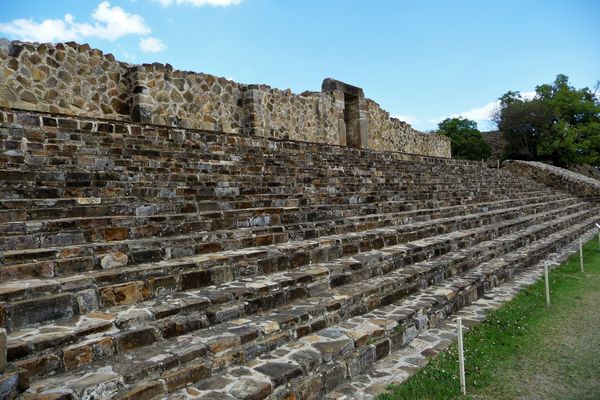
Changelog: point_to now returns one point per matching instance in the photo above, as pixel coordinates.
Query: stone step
(114, 231)
(49, 262)
(40, 209)
(88, 226)
(214, 191)
(341, 301)
(327, 352)
(220, 185)
(124, 286)
(195, 173)
(214, 149)
(130, 155)
(191, 171)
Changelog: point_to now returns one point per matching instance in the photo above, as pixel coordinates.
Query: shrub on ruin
(466, 140)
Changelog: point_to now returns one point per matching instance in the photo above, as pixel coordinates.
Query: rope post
(581, 254)
(461, 357)
(547, 282)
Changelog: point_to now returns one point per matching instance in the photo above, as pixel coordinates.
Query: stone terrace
(146, 262)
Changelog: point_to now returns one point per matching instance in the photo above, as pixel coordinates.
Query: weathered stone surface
(132, 339)
(250, 389)
(145, 391)
(113, 260)
(9, 385)
(76, 357)
(126, 293)
(333, 348)
(184, 376)
(42, 309)
(280, 373)
(333, 376)
(309, 389)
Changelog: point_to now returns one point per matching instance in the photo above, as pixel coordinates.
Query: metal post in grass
(581, 254)
(547, 283)
(461, 357)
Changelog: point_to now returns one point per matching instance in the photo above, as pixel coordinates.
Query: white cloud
(124, 55)
(479, 114)
(109, 23)
(151, 45)
(528, 95)
(482, 115)
(201, 3)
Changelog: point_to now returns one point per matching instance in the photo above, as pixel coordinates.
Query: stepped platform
(145, 262)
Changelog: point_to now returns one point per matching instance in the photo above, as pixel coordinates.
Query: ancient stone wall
(65, 78)
(387, 133)
(165, 96)
(310, 116)
(76, 80)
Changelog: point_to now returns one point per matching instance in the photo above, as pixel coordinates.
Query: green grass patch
(527, 350)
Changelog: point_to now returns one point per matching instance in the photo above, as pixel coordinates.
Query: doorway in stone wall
(351, 119)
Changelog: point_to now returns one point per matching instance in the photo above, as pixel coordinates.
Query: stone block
(9, 385)
(280, 372)
(250, 389)
(126, 293)
(333, 375)
(113, 260)
(144, 391)
(360, 360)
(309, 389)
(41, 309)
(135, 338)
(184, 376)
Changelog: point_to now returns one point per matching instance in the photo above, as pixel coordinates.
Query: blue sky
(420, 60)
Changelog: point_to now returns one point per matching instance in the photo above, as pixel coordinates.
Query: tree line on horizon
(559, 125)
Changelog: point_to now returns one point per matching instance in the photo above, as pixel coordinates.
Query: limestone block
(114, 260)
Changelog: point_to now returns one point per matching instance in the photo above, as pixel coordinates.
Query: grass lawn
(527, 350)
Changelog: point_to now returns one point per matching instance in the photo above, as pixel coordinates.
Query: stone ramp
(559, 178)
(166, 263)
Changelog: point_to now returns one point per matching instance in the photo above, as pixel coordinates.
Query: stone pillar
(253, 123)
(352, 123)
(339, 111)
(142, 104)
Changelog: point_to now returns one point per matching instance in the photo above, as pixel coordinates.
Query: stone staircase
(142, 262)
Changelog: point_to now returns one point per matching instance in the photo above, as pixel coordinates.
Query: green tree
(466, 140)
(560, 124)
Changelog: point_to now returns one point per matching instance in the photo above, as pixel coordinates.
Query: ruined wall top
(76, 80)
(332, 85)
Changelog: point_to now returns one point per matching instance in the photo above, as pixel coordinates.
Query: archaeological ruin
(172, 234)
